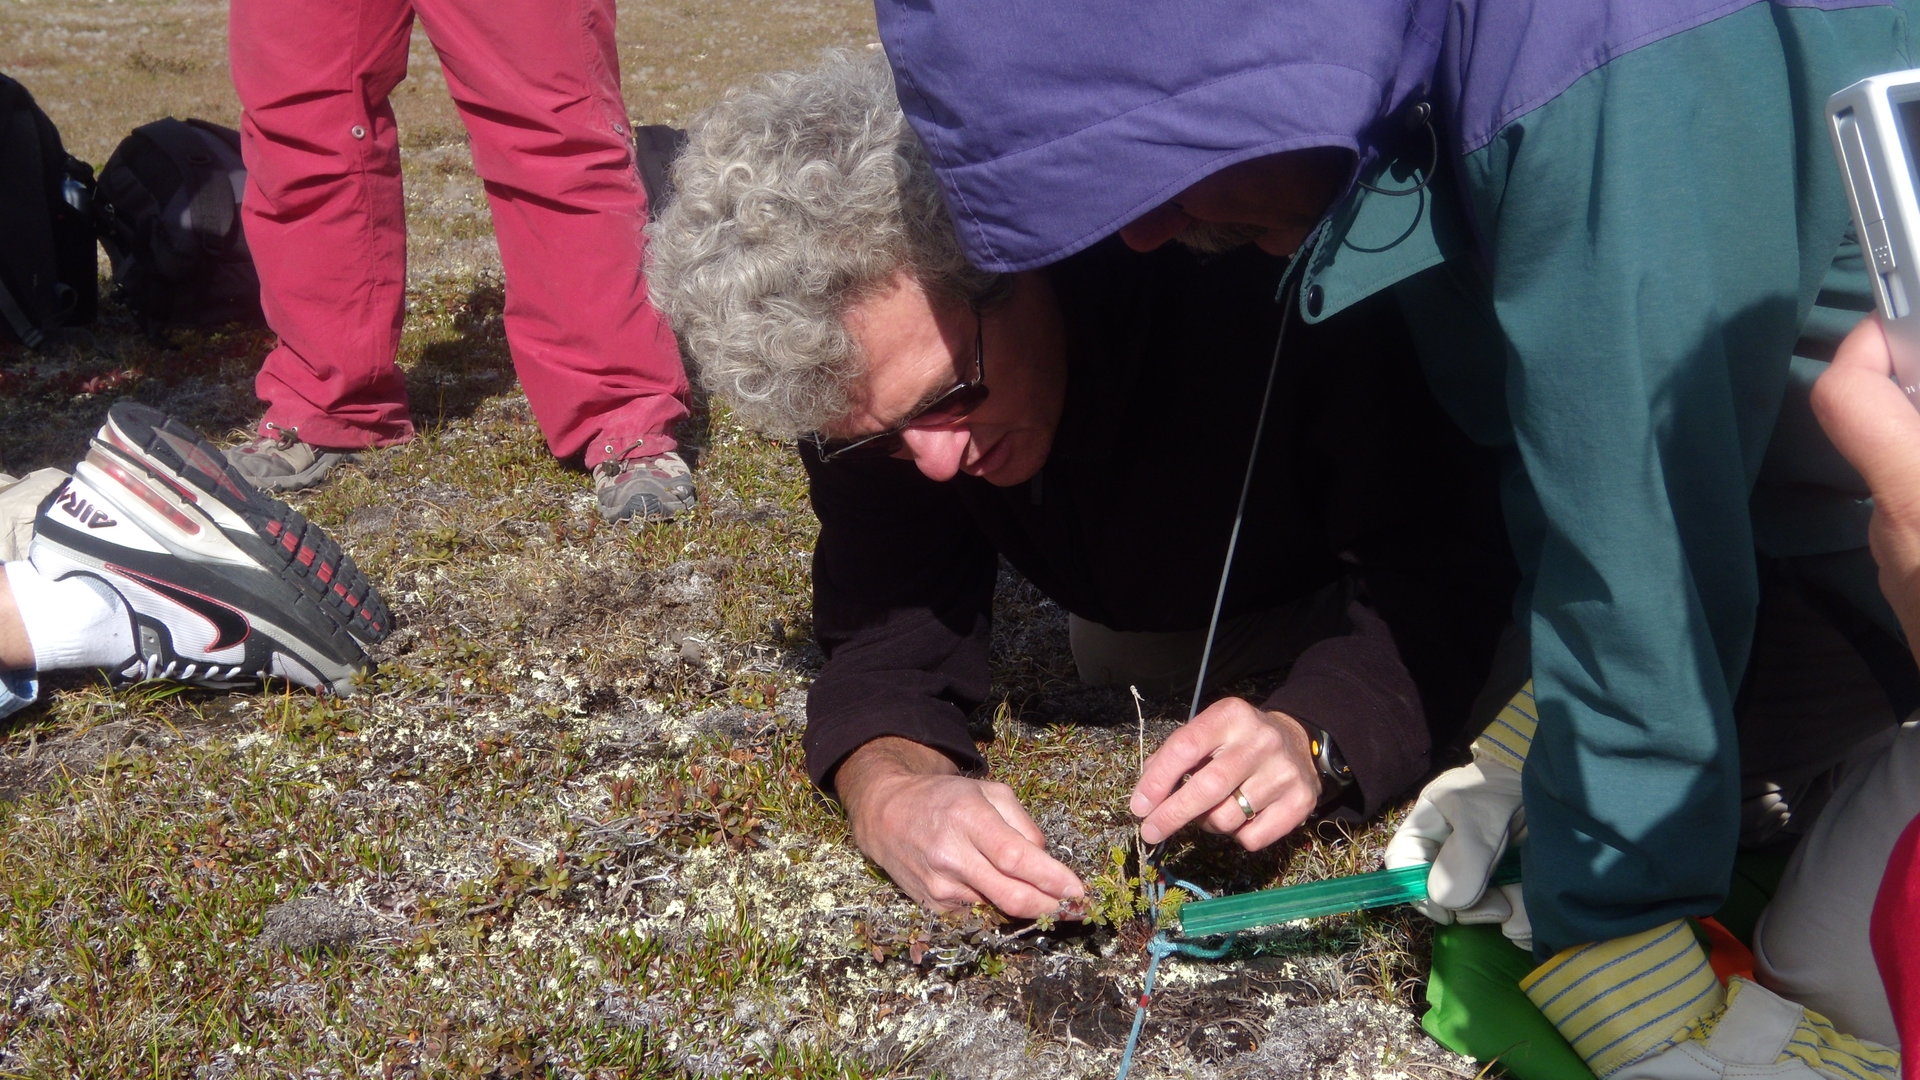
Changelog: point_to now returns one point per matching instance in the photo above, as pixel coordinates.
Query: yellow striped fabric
(1616, 1001)
(1506, 739)
(1836, 1053)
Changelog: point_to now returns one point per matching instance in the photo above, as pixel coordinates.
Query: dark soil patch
(1079, 1003)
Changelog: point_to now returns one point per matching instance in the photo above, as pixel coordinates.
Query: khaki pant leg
(1812, 943)
(1162, 663)
(20, 501)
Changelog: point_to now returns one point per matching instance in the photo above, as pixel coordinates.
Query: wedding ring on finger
(1246, 806)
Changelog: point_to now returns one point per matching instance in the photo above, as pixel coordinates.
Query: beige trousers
(1163, 663)
(20, 500)
(1811, 944)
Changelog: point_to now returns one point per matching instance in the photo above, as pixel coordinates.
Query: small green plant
(310, 720)
(1115, 896)
(1170, 905)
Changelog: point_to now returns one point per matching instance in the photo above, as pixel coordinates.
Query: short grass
(565, 830)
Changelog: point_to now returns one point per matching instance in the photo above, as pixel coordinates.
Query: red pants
(1896, 943)
(537, 84)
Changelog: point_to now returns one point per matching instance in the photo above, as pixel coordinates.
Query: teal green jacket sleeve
(1652, 241)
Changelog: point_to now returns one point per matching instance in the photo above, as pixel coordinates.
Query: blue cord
(1140, 1010)
(1159, 947)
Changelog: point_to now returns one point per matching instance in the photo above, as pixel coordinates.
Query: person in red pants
(537, 84)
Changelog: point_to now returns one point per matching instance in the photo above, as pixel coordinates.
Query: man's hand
(1232, 748)
(949, 841)
(1874, 424)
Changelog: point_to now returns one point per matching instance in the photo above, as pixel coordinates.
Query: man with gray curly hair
(1090, 424)
(798, 198)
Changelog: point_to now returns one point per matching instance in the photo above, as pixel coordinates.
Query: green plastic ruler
(1357, 892)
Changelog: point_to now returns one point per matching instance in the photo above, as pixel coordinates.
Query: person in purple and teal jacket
(1619, 234)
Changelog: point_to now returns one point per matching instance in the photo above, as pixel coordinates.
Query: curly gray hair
(797, 197)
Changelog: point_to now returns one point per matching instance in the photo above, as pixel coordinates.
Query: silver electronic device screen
(1876, 131)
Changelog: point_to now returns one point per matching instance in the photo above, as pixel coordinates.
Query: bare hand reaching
(949, 841)
(1233, 752)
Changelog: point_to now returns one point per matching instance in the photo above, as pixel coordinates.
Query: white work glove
(1462, 823)
(1759, 1034)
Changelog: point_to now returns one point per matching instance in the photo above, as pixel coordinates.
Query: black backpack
(168, 213)
(48, 273)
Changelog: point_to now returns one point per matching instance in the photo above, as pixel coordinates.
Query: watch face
(1333, 766)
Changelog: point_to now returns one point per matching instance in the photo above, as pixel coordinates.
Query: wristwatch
(1332, 765)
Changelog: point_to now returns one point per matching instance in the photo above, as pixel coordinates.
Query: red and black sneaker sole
(300, 551)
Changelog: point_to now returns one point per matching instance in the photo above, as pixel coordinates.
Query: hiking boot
(225, 585)
(649, 488)
(281, 462)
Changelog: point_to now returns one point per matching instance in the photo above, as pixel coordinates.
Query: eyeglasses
(949, 408)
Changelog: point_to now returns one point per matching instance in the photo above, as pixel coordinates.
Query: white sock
(75, 623)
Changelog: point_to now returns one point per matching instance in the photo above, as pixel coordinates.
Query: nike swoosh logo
(230, 626)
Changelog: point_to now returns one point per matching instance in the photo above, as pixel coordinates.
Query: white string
(1152, 880)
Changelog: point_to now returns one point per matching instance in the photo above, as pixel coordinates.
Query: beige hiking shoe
(645, 489)
(281, 462)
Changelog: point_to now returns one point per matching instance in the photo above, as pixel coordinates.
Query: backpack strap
(23, 327)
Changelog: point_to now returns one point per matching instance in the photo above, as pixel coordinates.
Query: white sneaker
(226, 584)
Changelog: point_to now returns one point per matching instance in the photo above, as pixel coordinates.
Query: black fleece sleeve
(1396, 686)
(902, 608)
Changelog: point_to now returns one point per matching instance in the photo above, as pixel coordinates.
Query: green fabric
(1476, 1006)
(1809, 500)
(1658, 242)
(1649, 245)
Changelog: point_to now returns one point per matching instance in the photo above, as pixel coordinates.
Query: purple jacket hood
(1053, 124)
